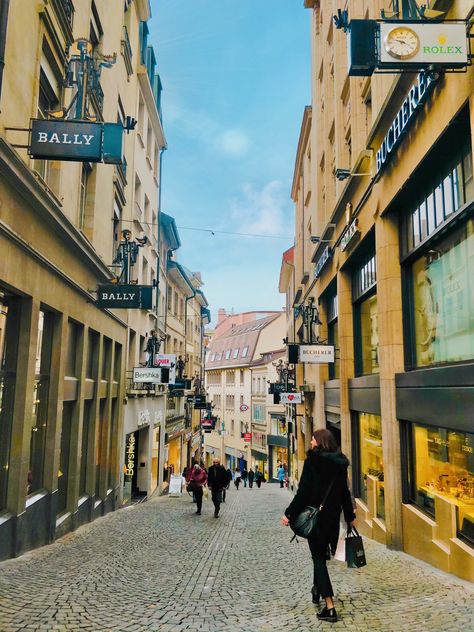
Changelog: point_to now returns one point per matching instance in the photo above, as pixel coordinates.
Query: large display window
(442, 282)
(366, 332)
(443, 465)
(371, 474)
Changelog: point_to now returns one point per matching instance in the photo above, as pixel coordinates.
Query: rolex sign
(66, 140)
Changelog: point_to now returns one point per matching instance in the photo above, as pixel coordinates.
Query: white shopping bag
(340, 554)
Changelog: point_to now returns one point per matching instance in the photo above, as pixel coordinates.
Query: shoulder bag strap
(326, 494)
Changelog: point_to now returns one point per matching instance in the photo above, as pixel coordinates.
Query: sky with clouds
(236, 79)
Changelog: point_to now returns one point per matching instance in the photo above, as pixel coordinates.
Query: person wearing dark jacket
(325, 469)
(251, 476)
(197, 480)
(217, 481)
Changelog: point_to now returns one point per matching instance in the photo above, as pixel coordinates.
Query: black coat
(217, 477)
(319, 470)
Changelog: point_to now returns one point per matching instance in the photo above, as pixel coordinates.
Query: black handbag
(306, 522)
(355, 554)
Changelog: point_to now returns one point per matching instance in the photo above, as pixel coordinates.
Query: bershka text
(410, 106)
(65, 139)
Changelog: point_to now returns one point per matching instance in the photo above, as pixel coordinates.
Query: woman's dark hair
(326, 440)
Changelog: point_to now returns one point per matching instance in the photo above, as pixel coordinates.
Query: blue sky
(236, 78)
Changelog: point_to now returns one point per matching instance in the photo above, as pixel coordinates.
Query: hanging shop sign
(130, 455)
(316, 354)
(412, 44)
(166, 362)
(125, 296)
(323, 259)
(246, 436)
(243, 408)
(147, 375)
(349, 235)
(78, 141)
(410, 107)
(291, 398)
(200, 402)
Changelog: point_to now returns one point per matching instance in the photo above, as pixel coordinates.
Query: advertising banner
(176, 485)
(167, 361)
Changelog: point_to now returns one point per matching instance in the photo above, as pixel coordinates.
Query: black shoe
(327, 614)
(216, 512)
(198, 513)
(315, 596)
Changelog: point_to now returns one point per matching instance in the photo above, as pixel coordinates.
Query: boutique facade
(392, 275)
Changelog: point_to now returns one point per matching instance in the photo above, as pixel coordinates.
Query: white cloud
(233, 142)
(262, 211)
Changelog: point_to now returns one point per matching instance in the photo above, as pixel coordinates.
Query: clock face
(402, 42)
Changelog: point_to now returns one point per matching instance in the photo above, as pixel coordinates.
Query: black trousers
(321, 581)
(217, 495)
(198, 495)
(281, 484)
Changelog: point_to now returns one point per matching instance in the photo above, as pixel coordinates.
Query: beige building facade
(384, 248)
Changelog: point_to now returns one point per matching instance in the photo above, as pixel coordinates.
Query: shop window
(113, 424)
(366, 337)
(370, 462)
(9, 331)
(333, 334)
(39, 417)
(65, 449)
(278, 426)
(443, 467)
(85, 439)
(74, 331)
(92, 347)
(442, 289)
(99, 444)
(106, 359)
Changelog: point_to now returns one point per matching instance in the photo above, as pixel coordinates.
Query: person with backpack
(324, 478)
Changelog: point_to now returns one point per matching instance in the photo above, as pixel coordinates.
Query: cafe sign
(316, 354)
(349, 235)
(291, 398)
(125, 296)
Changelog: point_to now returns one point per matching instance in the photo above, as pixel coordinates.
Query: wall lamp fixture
(343, 174)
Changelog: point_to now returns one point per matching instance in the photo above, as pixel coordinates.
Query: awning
(260, 456)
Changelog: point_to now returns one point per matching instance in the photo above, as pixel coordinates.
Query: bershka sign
(147, 375)
(316, 354)
(66, 140)
(125, 296)
(349, 235)
(291, 398)
(410, 107)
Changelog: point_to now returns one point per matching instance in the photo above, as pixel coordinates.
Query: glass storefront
(9, 321)
(443, 300)
(279, 455)
(366, 332)
(444, 466)
(371, 475)
(369, 336)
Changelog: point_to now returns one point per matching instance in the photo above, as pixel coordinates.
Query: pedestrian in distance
(281, 476)
(245, 476)
(237, 478)
(217, 481)
(197, 480)
(324, 475)
(251, 476)
(229, 477)
(259, 477)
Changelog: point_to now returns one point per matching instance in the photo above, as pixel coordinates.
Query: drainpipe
(4, 6)
(158, 237)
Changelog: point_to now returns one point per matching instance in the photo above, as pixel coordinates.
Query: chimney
(221, 315)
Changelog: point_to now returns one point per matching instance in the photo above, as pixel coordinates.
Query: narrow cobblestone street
(158, 566)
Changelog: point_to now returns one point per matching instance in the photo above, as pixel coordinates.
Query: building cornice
(17, 174)
(302, 144)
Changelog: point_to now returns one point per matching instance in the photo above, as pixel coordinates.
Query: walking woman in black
(325, 469)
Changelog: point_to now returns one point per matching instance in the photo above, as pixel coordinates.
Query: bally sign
(125, 296)
(66, 140)
(291, 398)
(349, 235)
(316, 354)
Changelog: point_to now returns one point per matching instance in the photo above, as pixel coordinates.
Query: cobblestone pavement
(157, 566)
